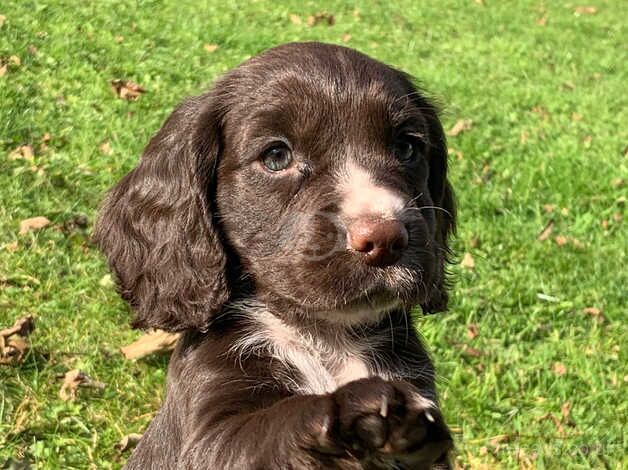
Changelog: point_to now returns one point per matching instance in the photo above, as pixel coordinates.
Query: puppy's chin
(393, 288)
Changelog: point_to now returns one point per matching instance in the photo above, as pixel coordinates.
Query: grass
(544, 84)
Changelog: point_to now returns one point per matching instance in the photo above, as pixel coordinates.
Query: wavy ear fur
(155, 226)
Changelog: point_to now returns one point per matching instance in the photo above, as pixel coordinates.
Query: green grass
(549, 109)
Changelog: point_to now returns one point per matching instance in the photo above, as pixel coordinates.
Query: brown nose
(382, 241)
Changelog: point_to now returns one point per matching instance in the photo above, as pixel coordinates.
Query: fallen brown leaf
(15, 60)
(585, 10)
(523, 137)
(74, 379)
(564, 411)
(152, 342)
(547, 231)
(575, 116)
(605, 224)
(541, 112)
(617, 217)
(321, 18)
(472, 330)
(294, 19)
(23, 152)
(559, 368)
(2, 20)
(128, 442)
(461, 126)
(105, 148)
(13, 340)
(119, 39)
(593, 311)
(569, 85)
(3, 69)
(618, 182)
(542, 21)
(561, 240)
(346, 37)
(211, 48)
(34, 223)
(549, 208)
(126, 89)
(467, 261)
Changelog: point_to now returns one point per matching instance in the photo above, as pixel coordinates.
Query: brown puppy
(289, 220)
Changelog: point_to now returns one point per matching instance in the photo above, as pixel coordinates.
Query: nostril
(368, 247)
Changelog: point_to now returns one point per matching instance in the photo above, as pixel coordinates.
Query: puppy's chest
(317, 373)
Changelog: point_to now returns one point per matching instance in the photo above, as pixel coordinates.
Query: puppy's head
(319, 172)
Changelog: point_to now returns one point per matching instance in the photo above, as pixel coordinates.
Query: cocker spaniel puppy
(289, 221)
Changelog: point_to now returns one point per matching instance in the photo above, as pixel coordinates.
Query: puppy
(288, 221)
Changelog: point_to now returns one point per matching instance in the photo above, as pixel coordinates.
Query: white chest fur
(321, 363)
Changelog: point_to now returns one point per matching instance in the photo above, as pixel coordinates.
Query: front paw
(389, 424)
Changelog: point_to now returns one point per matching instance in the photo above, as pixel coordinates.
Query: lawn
(532, 371)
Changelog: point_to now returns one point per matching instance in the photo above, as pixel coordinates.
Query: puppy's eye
(277, 158)
(405, 149)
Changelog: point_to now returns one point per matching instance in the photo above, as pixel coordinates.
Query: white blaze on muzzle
(362, 197)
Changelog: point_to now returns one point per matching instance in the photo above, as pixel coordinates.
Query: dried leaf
(592, 311)
(346, 37)
(11, 247)
(472, 330)
(321, 18)
(618, 183)
(295, 19)
(14, 340)
(105, 148)
(461, 126)
(585, 10)
(549, 208)
(23, 152)
(126, 89)
(617, 217)
(541, 112)
(128, 442)
(542, 21)
(152, 342)
(119, 39)
(569, 85)
(106, 281)
(34, 223)
(467, 261)
(211, 48)
(564, 411)
(561, 240)
(15, 60)
(72, 380)
(2, 20)
(523, 137)
(559, 368)
(3, 69)
(547, 231)
(576, 116)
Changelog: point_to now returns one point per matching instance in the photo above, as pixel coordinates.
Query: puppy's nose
(382, 241)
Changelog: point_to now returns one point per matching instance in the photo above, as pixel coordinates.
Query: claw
(383, 409)
(429, 417)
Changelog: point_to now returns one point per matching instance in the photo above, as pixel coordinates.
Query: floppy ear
(442, 196)
(156, 229)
